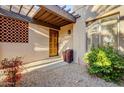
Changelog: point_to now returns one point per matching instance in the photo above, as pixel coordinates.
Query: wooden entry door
(53, 43)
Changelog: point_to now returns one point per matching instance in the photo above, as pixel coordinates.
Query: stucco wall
(65, 39)
(36, 49)
(79, 28)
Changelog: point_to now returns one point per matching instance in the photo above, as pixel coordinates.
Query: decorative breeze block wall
(13, 30)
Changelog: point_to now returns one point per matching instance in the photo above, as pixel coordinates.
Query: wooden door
(53, 43)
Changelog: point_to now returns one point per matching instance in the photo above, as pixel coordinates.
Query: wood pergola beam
(38, 13)
(55, 19)
(49, 18)
(20, 8)
(30, 10)
(48, 15)
(10, 7)
(59, 20)
(64, 23)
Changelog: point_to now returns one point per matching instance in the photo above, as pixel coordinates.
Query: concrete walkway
(61, 74)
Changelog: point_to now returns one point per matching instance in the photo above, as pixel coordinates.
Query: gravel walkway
(62, 74)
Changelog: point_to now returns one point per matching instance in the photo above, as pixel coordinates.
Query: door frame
(57, 42)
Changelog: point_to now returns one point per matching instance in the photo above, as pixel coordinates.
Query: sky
(67, 7)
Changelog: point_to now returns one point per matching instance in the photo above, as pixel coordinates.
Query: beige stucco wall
(65, 39)
(79, 28)
(36, 49)
(38, 46)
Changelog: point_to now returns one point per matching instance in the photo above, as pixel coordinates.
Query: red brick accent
(13, 30)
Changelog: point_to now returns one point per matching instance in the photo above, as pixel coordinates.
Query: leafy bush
(105, 62)
(12, 71)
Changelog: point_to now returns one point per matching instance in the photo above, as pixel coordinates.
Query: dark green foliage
(105, 62)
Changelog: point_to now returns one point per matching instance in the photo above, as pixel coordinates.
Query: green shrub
(105, 62)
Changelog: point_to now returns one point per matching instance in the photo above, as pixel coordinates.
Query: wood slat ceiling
(50, 17)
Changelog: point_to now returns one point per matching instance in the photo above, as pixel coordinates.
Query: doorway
(53, 43)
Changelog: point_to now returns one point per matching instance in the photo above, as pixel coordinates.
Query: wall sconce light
(69, 32)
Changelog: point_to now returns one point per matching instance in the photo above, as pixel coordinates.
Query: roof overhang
(47, 15)
(54, 15)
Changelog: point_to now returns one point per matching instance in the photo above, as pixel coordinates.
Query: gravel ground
(62, 74)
